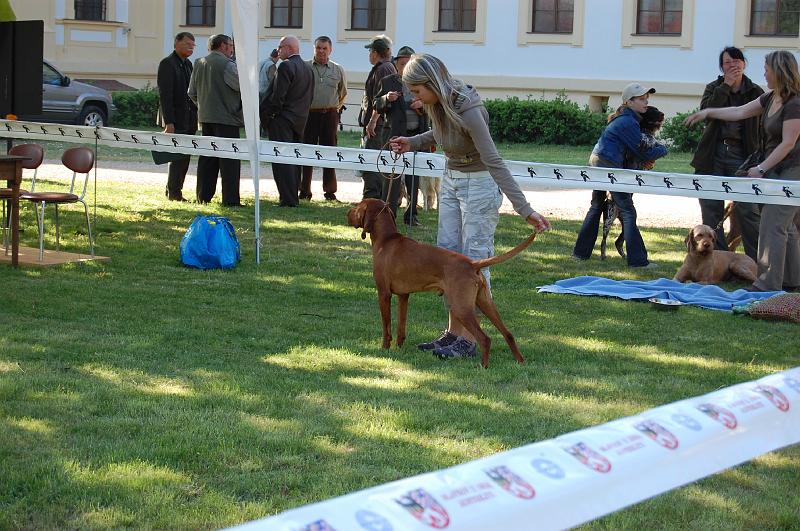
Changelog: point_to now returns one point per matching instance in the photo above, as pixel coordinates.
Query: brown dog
(705, 265)
(402, 266)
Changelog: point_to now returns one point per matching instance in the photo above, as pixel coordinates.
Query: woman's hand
(392, 96)
(538, 221)
(416, 104)
(400, 144)
(754, 172)
(370, 128)
(699, 116)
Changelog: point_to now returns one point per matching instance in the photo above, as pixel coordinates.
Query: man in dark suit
(177, 112)
(285, 111)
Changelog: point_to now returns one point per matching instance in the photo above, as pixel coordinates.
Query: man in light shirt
(330, 90)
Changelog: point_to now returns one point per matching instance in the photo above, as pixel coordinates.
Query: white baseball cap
(635, 89)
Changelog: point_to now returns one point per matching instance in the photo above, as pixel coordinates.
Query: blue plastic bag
(210, 243)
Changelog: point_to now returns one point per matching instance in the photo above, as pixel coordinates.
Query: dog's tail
(499, 259)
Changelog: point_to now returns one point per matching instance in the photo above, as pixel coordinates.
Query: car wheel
(92, 115)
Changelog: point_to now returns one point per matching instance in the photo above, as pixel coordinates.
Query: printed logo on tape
(774, 395)
(424, 508)
(720, 414)
(658, 433)
(372, 521)
(583, 453)
(687, 422)
(319, 525)
(510, 482)
(792, 383)
(548, 468)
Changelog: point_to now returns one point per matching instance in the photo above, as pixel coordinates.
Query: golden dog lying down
(705, 265)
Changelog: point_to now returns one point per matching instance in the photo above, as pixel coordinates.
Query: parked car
(71, 102)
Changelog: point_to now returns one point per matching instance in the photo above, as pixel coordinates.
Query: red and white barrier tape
(576, 477)
(530, 175)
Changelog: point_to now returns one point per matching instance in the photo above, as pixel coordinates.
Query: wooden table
(11, 171)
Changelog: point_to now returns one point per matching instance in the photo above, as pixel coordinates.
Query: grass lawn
(139, 393)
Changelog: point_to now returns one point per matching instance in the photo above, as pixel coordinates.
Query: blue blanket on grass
(705, 296)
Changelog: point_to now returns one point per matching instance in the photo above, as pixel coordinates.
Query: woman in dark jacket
(622, 136)
(404, 114)
(724, 146)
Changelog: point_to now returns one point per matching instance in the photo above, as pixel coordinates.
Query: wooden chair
(35, 155)
(81, 161)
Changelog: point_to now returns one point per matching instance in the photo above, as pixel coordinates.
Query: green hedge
(556, 121)
(678, 136)
(137, 108)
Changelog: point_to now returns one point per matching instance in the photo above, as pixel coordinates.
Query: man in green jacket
(214, 88)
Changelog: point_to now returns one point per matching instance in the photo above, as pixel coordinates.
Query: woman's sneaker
(442, 341)
(460, 348)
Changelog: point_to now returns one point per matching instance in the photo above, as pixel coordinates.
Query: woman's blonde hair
(787, 79)
(427, 70)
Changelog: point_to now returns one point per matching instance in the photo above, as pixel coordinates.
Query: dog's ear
(689, 241)
(369, 220)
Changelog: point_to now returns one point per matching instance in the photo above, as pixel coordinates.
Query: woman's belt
(455, 174)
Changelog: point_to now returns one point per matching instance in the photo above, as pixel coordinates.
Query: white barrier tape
(530, 175)
(576, 477)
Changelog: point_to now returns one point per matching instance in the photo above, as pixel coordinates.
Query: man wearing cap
(285, 111)
(622, 136)
(330, 90)
(403, 113)
(380, 56)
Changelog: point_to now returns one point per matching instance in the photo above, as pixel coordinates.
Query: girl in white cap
(622, 136)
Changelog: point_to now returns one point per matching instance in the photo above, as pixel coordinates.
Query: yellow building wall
(128, 52)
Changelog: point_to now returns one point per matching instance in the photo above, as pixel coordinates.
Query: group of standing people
(299, 101)
(741, 119)
(206, 93)
(776, 117)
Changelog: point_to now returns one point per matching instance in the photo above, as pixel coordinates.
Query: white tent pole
(245, 32)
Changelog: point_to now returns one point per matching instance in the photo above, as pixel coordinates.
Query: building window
(775, 17)
(90, 9)
(659, 17)
(286, 14)
(368, 15)
(457, 15)
(553, 16)
(201, 12)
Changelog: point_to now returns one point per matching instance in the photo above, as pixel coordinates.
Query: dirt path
(653, 210)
